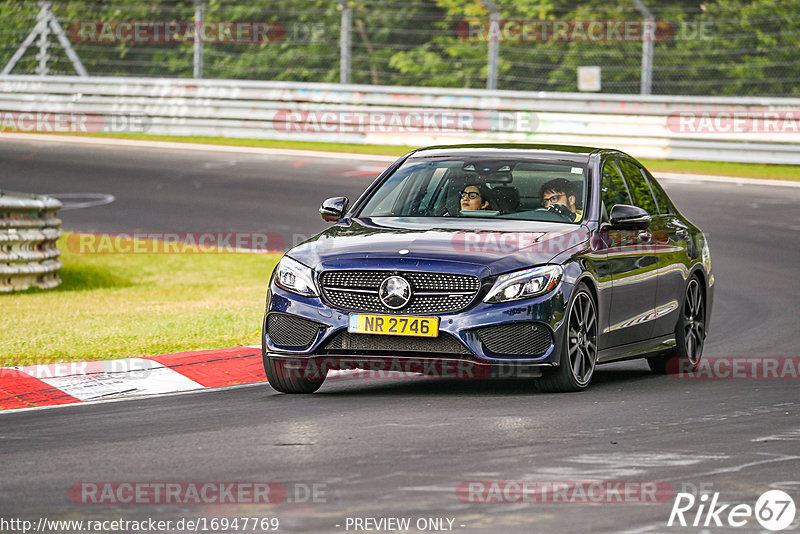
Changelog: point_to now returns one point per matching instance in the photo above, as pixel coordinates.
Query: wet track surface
(401, 448)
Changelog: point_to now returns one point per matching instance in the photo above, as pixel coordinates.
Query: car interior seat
(505, 199)
(577, 187)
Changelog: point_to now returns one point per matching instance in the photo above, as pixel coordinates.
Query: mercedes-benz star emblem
(395, 292)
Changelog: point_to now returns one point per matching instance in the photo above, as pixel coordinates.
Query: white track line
(12, 411)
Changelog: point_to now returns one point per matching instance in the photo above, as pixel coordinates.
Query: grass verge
(380, 150)
(715, 168)
(113, 306)
(725, 168)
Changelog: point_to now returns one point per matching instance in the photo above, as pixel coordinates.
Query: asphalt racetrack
(383, 448)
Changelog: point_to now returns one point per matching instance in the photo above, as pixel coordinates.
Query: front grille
(344, 341)
(435, 293)
(290, 331)
(516, 339)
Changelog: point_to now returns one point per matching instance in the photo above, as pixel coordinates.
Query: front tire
(288, 378)
(579, 349)
(690, 335)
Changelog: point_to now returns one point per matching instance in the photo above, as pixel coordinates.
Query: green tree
(719, 47)
(737, 47)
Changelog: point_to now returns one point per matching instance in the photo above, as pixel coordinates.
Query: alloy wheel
(694, 321)
(582, 338)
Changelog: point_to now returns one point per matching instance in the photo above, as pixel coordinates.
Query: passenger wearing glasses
(475, 197)
(559, 196)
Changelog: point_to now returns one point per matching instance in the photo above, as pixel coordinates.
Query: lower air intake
(346, 342)
(290, 331)
(516, 339)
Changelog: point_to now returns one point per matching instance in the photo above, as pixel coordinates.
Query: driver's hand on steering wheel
(562, 210)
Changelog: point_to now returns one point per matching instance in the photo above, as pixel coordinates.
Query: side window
(664, 205)
(639, 189)
(433, 189)
(613, 189)
(383, 205)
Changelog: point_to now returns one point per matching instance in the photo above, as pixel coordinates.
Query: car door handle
(645, 236)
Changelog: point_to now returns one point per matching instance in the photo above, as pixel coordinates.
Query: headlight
(706, 256)
(295, 277)
(524, 284)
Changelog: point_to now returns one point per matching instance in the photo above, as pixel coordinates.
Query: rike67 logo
(774, 510)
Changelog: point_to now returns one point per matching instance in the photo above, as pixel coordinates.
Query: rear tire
(579, 349)
(690, 335)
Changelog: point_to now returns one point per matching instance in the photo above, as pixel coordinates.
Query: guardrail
(28, 233)
(668, 127)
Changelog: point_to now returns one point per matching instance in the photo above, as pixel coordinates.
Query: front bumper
(546, 311)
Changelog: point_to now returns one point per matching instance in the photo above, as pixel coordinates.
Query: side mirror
(625, 217)
(333, 209)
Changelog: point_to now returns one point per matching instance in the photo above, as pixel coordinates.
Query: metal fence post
(345, 41)
(647, 49)
(199, 18)
(494, 43)
(44, 40)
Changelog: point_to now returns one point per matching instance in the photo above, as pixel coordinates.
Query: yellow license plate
(361, 323)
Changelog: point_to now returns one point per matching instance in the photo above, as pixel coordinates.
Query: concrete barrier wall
(757, 130)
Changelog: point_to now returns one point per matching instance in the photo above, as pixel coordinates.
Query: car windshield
(506, 188)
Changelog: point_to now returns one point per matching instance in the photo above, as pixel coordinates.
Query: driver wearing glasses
(559, 196)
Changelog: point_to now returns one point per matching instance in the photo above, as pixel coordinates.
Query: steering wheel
(560, 210)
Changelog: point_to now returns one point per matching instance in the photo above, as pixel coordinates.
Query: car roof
(544, 151)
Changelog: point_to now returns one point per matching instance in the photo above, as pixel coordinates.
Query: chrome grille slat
(354, 290)
(435, 293)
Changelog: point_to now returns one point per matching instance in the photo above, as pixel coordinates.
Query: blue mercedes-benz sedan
(459, 261)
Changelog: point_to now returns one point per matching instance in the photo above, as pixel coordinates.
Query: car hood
(476, 246)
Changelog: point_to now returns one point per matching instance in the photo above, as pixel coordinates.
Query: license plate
(361, 323)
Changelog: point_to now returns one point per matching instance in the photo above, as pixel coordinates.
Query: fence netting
(713, 47)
